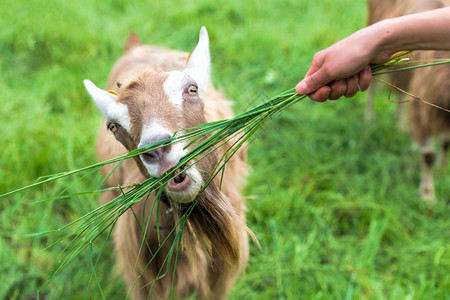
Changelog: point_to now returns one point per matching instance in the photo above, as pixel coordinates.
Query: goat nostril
(153, 156)
(149, 155)
(166, 147)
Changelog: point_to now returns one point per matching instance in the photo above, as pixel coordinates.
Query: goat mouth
(180, 181)
(184, 185)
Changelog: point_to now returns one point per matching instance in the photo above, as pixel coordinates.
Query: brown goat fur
(214, 245)
(426, 121)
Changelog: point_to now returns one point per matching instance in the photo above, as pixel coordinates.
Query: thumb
(310, 83)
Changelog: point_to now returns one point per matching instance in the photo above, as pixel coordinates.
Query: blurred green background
(332, 200)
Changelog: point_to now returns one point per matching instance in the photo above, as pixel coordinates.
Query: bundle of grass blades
(208, 137)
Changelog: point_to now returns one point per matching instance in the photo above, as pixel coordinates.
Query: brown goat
(161, 91)
(430, 84)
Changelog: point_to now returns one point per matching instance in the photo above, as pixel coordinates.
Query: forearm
(333, 70)
(424, 31)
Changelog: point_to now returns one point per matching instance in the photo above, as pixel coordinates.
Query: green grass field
(333, 201)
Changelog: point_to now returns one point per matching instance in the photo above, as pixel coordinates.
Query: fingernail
(302, 87)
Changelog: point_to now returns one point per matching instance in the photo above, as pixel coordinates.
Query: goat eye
(192, 90)
(112, 127)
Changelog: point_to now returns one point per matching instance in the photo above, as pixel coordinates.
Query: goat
(430, 84)
(160, 91)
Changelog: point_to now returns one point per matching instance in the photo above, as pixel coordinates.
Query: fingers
(365, 78)
(352, 86)
(322, 94)
(340, 88)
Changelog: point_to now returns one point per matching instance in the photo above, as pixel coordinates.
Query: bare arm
(428, 30)
(343, 68)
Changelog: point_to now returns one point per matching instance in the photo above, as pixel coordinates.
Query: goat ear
(106, 103)
(199, 63)
(102, 99)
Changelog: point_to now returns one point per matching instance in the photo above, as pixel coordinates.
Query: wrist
(385, 40)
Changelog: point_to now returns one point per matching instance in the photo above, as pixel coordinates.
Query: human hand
(336, 72)
(342, 69)
(347, 87)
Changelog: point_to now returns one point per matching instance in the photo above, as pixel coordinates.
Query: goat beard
(215, 226)
(213, 223)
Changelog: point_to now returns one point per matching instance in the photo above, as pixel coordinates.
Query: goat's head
(151, 108)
